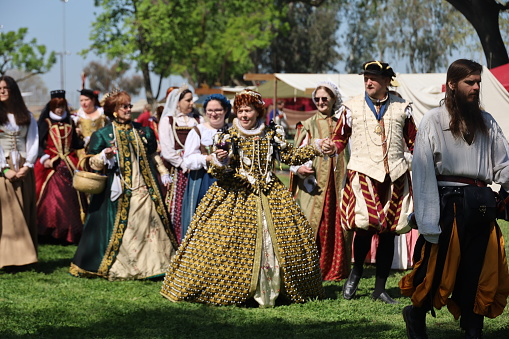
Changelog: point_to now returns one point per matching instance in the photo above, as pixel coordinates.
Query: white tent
(424, 90)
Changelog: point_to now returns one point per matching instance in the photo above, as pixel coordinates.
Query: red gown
(59, 205)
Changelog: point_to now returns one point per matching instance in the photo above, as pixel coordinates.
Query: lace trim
(255, 131)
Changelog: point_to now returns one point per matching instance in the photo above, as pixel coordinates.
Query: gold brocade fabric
(89, 126)
(219, 261)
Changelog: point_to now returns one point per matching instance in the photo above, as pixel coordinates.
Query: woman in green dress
(248, 238)
(127, 232)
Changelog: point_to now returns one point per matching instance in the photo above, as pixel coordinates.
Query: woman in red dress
(60, 208)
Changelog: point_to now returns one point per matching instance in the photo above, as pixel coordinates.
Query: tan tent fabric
(423, 90)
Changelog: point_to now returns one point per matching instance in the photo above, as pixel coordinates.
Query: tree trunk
(484, 16)
(148, 85)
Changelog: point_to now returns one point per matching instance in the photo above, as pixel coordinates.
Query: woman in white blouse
(176, 122)
(197, 156)
(19, 145)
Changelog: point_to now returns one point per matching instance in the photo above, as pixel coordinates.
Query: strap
(197, 131)
(462, 180)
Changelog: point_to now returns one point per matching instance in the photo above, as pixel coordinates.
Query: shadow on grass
(51, 266)
(205, 322)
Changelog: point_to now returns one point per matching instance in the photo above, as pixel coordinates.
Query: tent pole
(274, 104)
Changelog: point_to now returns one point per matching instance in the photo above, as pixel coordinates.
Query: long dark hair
(464, 118)
(14, 104)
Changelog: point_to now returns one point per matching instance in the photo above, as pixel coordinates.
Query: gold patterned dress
(248, 238)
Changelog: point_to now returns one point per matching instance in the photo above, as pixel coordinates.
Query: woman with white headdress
(317, 184)
(176, 122)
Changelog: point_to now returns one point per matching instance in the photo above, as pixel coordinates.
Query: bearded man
(459, 257)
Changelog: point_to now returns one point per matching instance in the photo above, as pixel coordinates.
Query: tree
(305, 42)
(227, 38)
(361, 40)
(105, 78)
(29, 57)
(484, 17)
(34, 89)
(426, 33)
(203, 40)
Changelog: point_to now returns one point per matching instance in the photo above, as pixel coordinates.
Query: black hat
(59, 93)
(377, 68)
(88, 93)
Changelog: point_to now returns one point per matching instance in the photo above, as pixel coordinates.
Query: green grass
(46, 302)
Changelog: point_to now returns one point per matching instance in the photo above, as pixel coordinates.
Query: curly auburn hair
(250, 98)
(113, 101)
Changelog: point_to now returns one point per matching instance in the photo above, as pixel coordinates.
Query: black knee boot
(415, 319)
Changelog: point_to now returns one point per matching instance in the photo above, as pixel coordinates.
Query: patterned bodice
(252, 157)
(89, 126)
(59, 138)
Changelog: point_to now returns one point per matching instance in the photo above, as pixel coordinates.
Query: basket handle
(82, 162)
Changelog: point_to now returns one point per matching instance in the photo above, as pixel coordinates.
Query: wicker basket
(88, 182)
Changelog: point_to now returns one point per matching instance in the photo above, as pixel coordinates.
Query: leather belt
(462, 180)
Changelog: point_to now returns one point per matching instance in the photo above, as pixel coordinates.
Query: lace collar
(249, 132)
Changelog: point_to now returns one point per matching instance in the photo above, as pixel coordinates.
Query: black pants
(473, 240)
(384, 252)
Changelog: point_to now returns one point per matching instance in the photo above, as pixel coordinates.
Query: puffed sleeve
(294, 155)
(500, 155)
(301, 139)
(32, 143)
(193, 159)
(425, 187)
(167, 142)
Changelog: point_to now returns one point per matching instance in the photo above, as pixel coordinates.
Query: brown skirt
(18, 228)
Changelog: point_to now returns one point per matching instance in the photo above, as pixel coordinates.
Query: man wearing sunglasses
(378, 128)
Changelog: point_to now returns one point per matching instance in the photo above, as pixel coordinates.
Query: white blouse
(438, 152)
(167, 138)
(32, 141)
(193, 159)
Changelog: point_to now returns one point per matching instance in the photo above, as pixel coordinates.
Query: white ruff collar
(55, 117)
(249, 132)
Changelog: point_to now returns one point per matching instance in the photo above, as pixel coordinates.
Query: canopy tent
(502, 74)
(424, 90)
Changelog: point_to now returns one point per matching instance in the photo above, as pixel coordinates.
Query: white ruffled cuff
(44, 158)
(216, 161)
(166, 179)
(109, 162)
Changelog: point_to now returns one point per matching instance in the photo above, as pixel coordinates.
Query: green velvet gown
(150, 242)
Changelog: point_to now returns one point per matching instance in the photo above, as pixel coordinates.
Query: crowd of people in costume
(195, 199)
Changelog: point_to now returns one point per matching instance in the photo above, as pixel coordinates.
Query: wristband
(5, 170)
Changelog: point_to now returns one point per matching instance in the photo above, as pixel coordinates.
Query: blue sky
(45, 22)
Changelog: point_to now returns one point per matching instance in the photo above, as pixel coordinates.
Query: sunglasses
(317, 99)
(126, 106)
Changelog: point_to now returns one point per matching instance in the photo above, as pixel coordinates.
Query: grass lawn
(46, 302)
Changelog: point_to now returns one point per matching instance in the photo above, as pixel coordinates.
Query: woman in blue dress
(197, 155)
